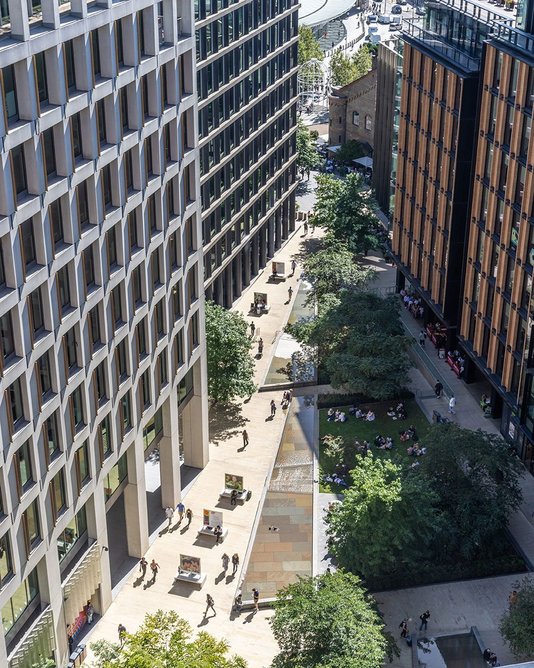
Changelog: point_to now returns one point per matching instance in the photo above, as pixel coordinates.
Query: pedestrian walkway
(248, 634)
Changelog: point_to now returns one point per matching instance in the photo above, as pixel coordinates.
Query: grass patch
(362, 430)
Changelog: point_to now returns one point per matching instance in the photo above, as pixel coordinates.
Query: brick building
(352, 111)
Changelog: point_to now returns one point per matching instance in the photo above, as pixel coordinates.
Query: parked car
(396, 9)
(384, 18)
(372, 18)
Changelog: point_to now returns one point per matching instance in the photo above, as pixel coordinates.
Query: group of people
(169, 514)
(423, 626)
(397, 413)
(336, 416)
(412, 304)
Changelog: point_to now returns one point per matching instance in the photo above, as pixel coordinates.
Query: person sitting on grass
(359, 414)
(401, 411)
(370, 417)
(330, 416)
(404, 436)
(391, 412)
(342, 417)
(379, 441)
(353, 409)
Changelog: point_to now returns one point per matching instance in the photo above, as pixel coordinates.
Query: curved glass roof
(318, 12)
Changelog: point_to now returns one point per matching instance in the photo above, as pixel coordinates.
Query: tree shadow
(226, 421)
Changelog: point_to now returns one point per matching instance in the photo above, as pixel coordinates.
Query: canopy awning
(366, 161)
(318, 12)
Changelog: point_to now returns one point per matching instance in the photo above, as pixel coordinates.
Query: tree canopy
(517, 623)
(386, 519)
(309, 46)
(346, 208)
(230, 365)
(329, 622)
(478, 482)
(333, 268)
(307, 156)
(349, 151)
(164, 640)
(360, 342)
(345, 69)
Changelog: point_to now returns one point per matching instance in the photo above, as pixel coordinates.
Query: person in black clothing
(233, 497)
(403, 626)
(424, 620)
(438, 389)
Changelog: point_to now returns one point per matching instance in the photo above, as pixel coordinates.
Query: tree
(333, 268)
(164, 640)
(329, 622)
(517, 623)
(307, 156)
(387, 519)
(360, 342)
(478, 482)
(230, 365)
(347, 210)
(345, 69)
(349, 151)
(309, 46)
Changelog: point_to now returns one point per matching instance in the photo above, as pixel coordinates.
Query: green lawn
(367, 431)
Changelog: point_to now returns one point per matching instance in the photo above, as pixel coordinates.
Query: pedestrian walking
(189, 516)
(217, 532)
(169, 512)
(424, 620)
(89, 612)
(422, 337)
(154, 567)
(438, 389)
(305, 228)
(245, 438)
(403, 626)
(256, 597)
(142, 567)
(293, 267)
(252, 329)
(235, 563)
(181, 510)
(122, 633)
(225, 562)
(233, 497)
(210, 603)
(260, 346)
(452, 405)
(273, 408)
(289, 294)
(238, 602)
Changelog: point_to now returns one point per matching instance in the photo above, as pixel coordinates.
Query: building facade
(497, 307)
(101, 301)
(351, 111)
(247, 82)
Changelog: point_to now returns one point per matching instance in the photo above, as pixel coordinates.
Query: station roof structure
(319, 12)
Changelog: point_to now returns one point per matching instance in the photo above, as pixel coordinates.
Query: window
(95, 53)
(100, 385)
(76, 408)
(11, 104)
(32, 530)
(35, 306)
(82, 465)
(128, 171)
(116, 306)
(44, 374)
(153, 429)
(63, 289)
(177, 300)
(104, 438)
(123, 95)
(106, 187)
(89, 267)
(119, 43)
(151, 213)
(95, 334)
(27, 239)
(114, 478)
(145, 390)
(159, 319)
(132, 231)
(51, 437)
(76, 134)
(70, 350)
(101, 121)
(6, 335)
(75, 529)
(141, 339)
(368, 122)
(156, 280)
(356, 119)
(49, 152)
(126, 413)
(39, 63)
(162, 362)
(70, 72)
(6, 565)
(20, 601)
(137, 286)
(56, 222)
(83, 205)
(19, 171)
(23, 468)
(111, 239)
(15, 403)
(121, 358)
(57, 495)
(174, 251)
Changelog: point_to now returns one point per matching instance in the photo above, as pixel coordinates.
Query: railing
(425, 359)
(472, 8)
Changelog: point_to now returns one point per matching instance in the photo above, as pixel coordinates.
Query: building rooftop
(318, 12)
